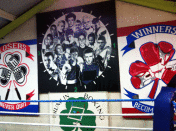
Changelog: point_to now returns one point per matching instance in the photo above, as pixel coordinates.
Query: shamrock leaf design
(155, 66)
(77, 108)
(5, 76)
(13, 67)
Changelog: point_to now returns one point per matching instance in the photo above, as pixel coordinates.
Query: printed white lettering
(144, 31)
(149, 30)
(143, 108)
(155, 30)
(137, 35)
(161, 29)
(168, 29)
(174, 29)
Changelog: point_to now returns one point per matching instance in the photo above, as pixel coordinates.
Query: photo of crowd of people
(75, 49)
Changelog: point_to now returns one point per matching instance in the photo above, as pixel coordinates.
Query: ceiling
(13, 11)
(14, 8)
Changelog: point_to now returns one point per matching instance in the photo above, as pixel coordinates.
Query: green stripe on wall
(20, 20)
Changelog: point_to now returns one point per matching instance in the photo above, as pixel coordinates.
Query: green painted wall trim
(163, 5)
(20, 20)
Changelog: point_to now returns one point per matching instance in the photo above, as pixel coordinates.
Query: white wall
(127, 15)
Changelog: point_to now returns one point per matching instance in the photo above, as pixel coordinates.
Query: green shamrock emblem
(77, 108)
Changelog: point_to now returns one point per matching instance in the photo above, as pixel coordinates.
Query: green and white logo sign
(78, 108)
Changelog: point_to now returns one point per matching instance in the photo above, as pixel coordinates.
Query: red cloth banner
(17, 45)
(19, 105)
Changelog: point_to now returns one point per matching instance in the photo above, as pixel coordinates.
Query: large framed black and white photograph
(77, 49)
